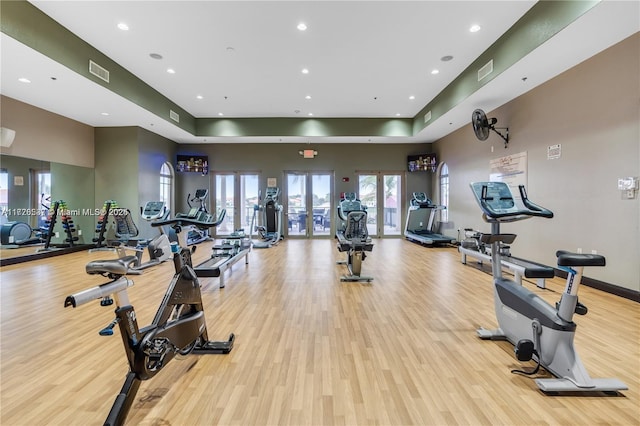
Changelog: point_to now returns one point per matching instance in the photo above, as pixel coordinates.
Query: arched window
(444, 192)
(166, 184)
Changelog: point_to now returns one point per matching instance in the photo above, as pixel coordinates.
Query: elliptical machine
(196, 234)
(159, 248)
(538, 330)
(271, 231)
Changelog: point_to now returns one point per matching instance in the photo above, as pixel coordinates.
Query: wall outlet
(579, 250)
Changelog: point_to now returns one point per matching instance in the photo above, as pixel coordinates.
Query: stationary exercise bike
(178, 327)
(538, 330)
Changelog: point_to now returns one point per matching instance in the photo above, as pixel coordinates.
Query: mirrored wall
(31, 192)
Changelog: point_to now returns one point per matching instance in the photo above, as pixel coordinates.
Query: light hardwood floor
(309, 349)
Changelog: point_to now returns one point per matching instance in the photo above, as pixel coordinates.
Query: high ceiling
(236, 59)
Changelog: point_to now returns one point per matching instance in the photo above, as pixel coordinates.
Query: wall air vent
(174, 116)
(485, 70)
(98, 71)
(427, 116)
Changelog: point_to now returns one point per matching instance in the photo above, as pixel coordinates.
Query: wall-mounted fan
(481, 126)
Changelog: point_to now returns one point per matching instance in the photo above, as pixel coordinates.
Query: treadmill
(420, 218)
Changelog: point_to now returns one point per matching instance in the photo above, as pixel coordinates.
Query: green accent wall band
(544, 20)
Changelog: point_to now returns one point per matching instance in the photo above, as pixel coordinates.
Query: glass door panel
(248, 198)
(225, 199)
(368, 195)
(391, 213)
(297, 204)
(321, 204)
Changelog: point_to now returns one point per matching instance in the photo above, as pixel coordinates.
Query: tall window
(444, 192)
(166, 184)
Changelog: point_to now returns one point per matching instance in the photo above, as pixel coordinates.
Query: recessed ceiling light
(24, 80)
(305, 71)
(171, 71)
(412, 97)
(220, 114)
(104, 113)
(310, 114)
(200, 97)
(308, 97)
(155, 55)
(434, 72)
(122, 26)
(398, 115)
(302, 26)
(474, 28)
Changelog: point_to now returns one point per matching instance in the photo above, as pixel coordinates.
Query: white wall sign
(510, 169)
(554, 152)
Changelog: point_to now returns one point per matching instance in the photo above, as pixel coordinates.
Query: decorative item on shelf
(422, 163)
(308, 153)
(193, 163)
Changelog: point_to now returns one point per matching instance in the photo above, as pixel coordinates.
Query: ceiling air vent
(427, 116)
(485, 70)
(174, 116)
(98, 71)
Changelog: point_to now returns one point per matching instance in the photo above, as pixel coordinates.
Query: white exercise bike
(538, 330)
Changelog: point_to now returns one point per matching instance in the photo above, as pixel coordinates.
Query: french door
(237, 192)
(381, 192)
(308, 198)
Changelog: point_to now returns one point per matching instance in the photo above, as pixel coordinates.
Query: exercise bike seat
(566, 258)
(111, 266)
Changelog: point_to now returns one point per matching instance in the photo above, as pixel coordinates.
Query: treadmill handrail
(187, 221)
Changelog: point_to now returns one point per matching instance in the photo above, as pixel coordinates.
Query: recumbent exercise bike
(538, 330)
(178, 327)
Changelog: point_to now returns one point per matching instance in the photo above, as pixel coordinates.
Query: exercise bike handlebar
(186, 221)
(97, 292)
(497, 203)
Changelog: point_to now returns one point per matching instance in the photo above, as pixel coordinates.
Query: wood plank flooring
(309, 349)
